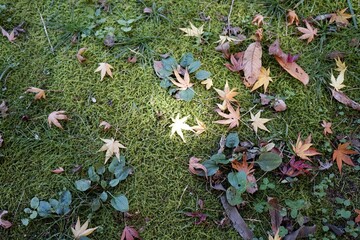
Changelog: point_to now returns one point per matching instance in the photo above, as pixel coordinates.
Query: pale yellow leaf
(193, 31)
(111, 147)
(104, 68)
(178, 125)
(263, 80)
(341, 66)
(258, 122)
(82, 231)
(208, 83)
(199, 128)
(338, 82)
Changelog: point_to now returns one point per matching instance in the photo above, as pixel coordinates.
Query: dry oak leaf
(11, 37)
(341, 97)
(129, 233)
(178, 125)
(357, 219)
(197, 168)
(208, 83)
(199, 128)
(263, 80)
(105, 68)
(227, 96)
(340, 17)
(40, 93)
(337, 83)
(55, 116)
(308, 33)
(232, 118)
(82, 231)
(106, 125)
(258, 20)
(258, 122)
(341, 66)
(4, 223)
(111, 147)
(340, 155)
(182, 83)
(303, 148)
(252, 63)
(327, 127)
(193, 31)
(292, 17)
(79, 56)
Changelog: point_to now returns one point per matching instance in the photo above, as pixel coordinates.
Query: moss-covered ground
(161, 188)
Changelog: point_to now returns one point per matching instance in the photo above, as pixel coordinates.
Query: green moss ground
(161, 187)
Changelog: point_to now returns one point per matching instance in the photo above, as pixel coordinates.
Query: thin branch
(231, 8)
(46, 33)
(352, 13)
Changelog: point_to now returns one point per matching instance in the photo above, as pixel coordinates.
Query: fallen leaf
(82, 231)
(129, 233)
(55, 116)
(340, 17)
(292, 58)
(197, 168)
(106, 125)
(4, 223)
(279, 105)
(249, 170)
(105, 68)
(324, 165)
(340, 155)
(308, 33)
(295, 168)
(327, 127)
(263, 80)
(259, 34)
(337, 83)
(276, 237)
(111, 147)
(193, 31)
(258, 20)
(1, 140)
(229, 39)
(201, 216)
(132, 59)
(58, 170)
(11, 37)
(232, 118)
(208, 83)
(3, 109)
(292, 17)
(148, 10)
(258, 122)
(199, 128)
(252, 63)
(341, 66)
(182, 83)
(178, 125)
(79, 56)
(292, 68)
(357, 219)
(341, 97)
(302, 232)
(275, 216)
(236, 62)
(227, 96)
(40, 93)
(303, 148)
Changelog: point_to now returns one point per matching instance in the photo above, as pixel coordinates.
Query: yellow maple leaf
(340, 17)
(199, 128)
(337, 83)
(227, 96)
(193, 31)
(111, 147)
(258, 122)
(341, 66)
(104, 68)
(208, 83)
(263, 80)
(82, 231)
(178, 125)
(303, 149)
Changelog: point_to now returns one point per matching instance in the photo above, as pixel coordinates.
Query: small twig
(231, 7)
(46, 33)
(182, 196)
(352, 13)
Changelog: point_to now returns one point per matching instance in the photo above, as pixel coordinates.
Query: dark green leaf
(219, 158)
(92, 174)
(33, 215)
(117, 164)
(233, 196)
(232, 140)
(103, 196)
(44, 209)
(211, 168)
(82, 185)
(34, 203)
(194, 66)
(100, 170)
(123, 173)
(169, 63)
(269, 161)
(238, 180)
(202, 75)
(53, 202)
(165, 83)
(187, 94)
(120, 203)
(186, 60)
(95, 204)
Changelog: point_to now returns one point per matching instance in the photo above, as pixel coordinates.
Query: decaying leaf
(275, 215)
(340, 155)
(292, 17)
(291, 67)
(357, 219)
(252, 63)
(227, 96)
(129, 233)
(106, 125)
(338, 82)
(327, 127)
(3, 109)
(276, 237)
(341, 97)
(58, 170)
(178, 125)
(295, 168)
(79, 56)
(302, 232)
(182, 83)
(341, 66)
(279, 105)
(303, 149)
(40, 93)
(263, 80)
(104, 68)
(308, 33)
(82, 231)
(208, 83)
(111, 147)
(193, 31)
(232, 118)
(55, 116)
(199, 128)
(340, 17)
(11, 37)
(199, 215)
(258, 20)
(236, 62)
(258, 122)
(197, 168)
(224, 39)
(4, 223)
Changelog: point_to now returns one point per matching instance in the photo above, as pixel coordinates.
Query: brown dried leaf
(279, 105)
(303, 149)
(79, 56)
(3, 109)
(252, 63)
(327, 127)
(4, 223)
(58, 170)
(40, 93)
(232, 119)
(275, 215)
(258, 20)
(292, 17)
(11, 37)
(341, 97)
(55, 116)
(236, 62)
(308, 33)
(197, 168)
(129, 233)
(106, 125)
(340, 17)
(341, 155)
(227, 96)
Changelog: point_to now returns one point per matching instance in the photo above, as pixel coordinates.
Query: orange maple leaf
(341, 155)
(232, 118)
(340, 17)
(227, 96)
(303, 148)
(308, 33)
(244, 166)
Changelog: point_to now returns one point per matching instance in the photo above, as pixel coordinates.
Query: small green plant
(342, 212)
(126, 24)
(295, 207)
(266, 184)
(320, 189)
(352, 229)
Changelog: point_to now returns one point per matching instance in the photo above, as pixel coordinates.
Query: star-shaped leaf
(340, 17)
(327, 127)
(82, 231)
(308, 33)
(263, 80)
(55, 116)
(258, 122)
(129, 233)
(292, 17)
(224, 39)
(178, 125)
(104, 68)
(193, 31)
(11, 37)
(232, 118)
(340, 155)
(227, 96)
(199, 128)
(337, 83)
(182, 83)
(208, 83)
(111, 147)
(236, 62)
(40, 93)
(303, 149)
(341, 66)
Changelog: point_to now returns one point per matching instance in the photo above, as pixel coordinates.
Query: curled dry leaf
(291, 67)
(4, 223)
(40, 93)
(106, 125)
(275, 216)
(104, 68)
(340, 17)
(327, 127)
(308, 33)
(208, 83)
(197, 168)
(236, 62)
(259, 34)
(132, 59)
(258, 20)
(199, 215)
(3, 109)
(252, 63)
(58, 170)
(79, 56)
(292, 17)
(341, 97)
(55, 116)
(11, 37)
(279, 105)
